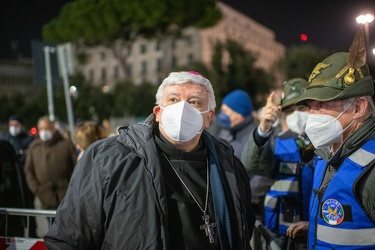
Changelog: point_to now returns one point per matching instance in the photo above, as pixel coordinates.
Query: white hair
(370, 107)
(183, 77)
(370, 111)
(348, 102)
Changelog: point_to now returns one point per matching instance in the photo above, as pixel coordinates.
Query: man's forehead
(187, 89)
(44, 123)
(14, 122)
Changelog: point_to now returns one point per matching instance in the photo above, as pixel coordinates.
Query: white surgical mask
(296, 121)
(325, 130)
(14, 130)
(181, 121)
(45, 135)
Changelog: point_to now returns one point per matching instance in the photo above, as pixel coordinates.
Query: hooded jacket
(117, 198)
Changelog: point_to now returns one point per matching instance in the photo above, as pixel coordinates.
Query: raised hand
(269, 113)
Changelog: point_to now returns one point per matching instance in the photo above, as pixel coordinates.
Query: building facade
(150, 60)
(16, 77)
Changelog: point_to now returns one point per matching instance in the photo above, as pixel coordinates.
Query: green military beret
(341, 76)
(292, 90)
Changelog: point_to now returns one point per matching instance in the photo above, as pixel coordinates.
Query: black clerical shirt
(184, 215)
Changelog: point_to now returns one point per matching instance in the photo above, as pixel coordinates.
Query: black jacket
(117, 200)
(20, 144)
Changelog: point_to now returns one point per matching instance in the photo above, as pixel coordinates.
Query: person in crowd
(236, 120)
(236, 123)
(49, 165)
(283, 158)
(164, 183)
(11, 190)
(260, 184)
(341, 126)
(85, 134)
(104, 128)
(20, 141)
(18, 137)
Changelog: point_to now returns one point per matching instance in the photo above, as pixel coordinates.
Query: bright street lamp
(365, 20)
(362, 19)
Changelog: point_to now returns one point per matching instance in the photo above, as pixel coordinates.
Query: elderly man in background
(49, 165)
(341, 126)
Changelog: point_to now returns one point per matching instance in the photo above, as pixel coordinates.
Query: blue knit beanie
(239, 101)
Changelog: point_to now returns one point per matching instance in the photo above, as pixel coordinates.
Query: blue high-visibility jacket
(289, 197)
(337, 218)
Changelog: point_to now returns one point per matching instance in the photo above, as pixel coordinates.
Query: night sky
(329, 24)
(22, 20)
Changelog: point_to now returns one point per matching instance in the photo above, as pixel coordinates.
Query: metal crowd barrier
(263, 236)
(49, 214)
(11, 242)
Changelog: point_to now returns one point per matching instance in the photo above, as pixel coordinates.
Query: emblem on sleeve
(333, 212)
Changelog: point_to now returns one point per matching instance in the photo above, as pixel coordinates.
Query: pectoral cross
(208, 227)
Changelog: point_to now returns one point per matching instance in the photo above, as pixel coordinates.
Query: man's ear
(157, 111)
(210, 116)
(360, 108)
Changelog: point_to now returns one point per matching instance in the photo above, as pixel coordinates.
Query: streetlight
(365, 20)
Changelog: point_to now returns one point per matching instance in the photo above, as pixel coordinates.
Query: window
(102, 56)
(104, 74)
(158, 65)
(190, 59)
(144, 67)
(157, 46)
(91, 76)
(189, 40)
(129, 70)
(116, 72)
(174, 62)
(143, 49)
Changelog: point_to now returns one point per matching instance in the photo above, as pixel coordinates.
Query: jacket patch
(333, 212)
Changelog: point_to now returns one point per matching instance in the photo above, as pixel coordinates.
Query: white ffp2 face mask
(325, 130)
(14, 130)
(181, 121)
(296, 121)
(45, 135)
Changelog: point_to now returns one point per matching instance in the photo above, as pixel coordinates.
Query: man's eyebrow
(172, 92)
(198, 96)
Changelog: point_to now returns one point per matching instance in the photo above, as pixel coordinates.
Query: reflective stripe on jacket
(337, 219)
(288, 199)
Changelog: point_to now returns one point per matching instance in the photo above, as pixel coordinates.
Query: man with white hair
(164, 183)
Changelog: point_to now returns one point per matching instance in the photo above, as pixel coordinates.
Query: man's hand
(269, 113)
(298, 229)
